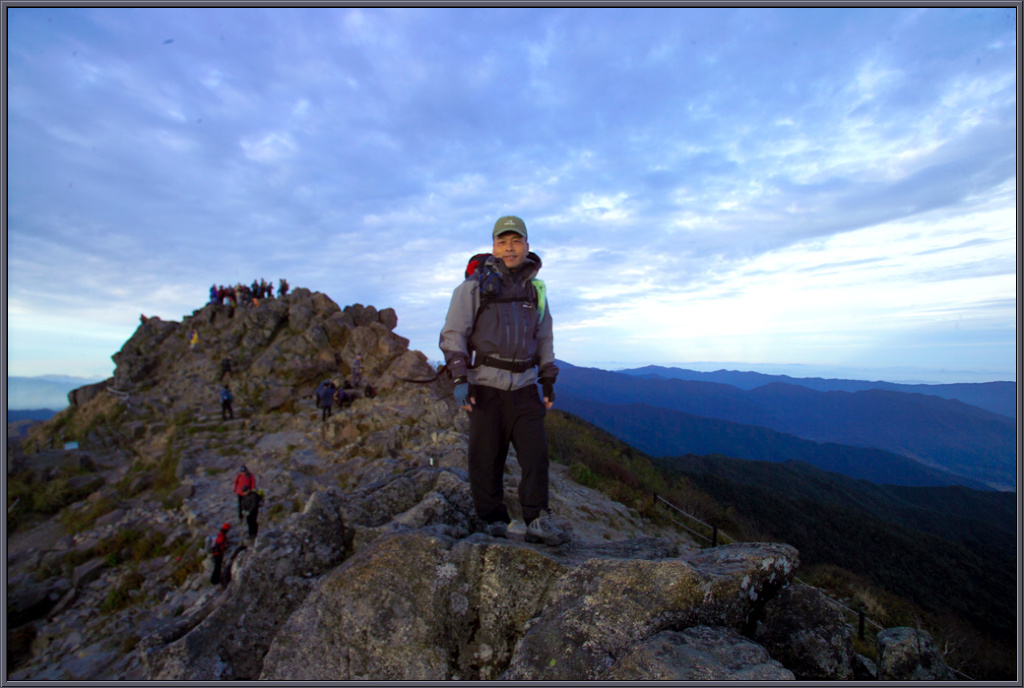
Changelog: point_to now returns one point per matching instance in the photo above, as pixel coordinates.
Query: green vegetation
(120, 596)
(29, 496)
(599, 461)
(76, 521)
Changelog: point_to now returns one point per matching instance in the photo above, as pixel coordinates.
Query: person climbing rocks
(251, 501)
(244, 480)
(220, 547)
(193, 339)
(226, 398)
(325, 397)
(498, 343)
(282, 289)
(226, 366)
(357, 371)
(343, 398)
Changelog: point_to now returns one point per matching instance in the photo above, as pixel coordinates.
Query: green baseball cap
(509, 223)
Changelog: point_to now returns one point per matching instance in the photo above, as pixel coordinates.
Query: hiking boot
(543, 529)
(497, 529)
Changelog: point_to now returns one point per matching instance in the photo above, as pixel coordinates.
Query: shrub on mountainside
(598, 460)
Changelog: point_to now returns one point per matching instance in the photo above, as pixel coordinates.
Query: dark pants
(498, 418)
(241, 513)
(218, 559)
(251, 521)
(225, 410)
(326, 413)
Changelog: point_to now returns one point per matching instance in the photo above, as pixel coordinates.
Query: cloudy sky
(786, 190)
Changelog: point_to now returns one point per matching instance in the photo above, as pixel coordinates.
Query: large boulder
(414, 606)
(822, 651)
(82, 395)
(602, 608)
(698, 653)
(910, 654)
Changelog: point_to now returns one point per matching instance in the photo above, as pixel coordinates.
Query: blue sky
(808, 190)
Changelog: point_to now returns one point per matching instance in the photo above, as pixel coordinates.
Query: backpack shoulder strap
(541, 290)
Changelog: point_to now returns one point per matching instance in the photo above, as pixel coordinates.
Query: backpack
(490, 282)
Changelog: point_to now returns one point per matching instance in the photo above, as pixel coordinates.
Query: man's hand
(548, 390)
(462, 397)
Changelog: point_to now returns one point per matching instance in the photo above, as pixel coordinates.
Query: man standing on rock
(497, 343)
(244, 482)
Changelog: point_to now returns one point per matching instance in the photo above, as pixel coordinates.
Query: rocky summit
(369, 563)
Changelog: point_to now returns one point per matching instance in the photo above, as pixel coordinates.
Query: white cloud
(269, 148)
(775, 184)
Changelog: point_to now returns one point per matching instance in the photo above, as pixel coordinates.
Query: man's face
(511, 248)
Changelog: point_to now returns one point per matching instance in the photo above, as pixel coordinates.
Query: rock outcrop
(370, 563)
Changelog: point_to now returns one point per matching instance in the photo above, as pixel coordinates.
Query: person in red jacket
(220, 546)
(243, 481)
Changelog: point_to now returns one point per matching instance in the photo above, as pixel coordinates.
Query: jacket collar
(529, 269)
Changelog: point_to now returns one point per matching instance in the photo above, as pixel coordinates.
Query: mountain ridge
(997, 396)
(662, 432)
(975, 444)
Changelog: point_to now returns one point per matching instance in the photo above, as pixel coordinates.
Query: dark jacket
(251, 501)
(516, 328)
(220, 545)
(326, 396)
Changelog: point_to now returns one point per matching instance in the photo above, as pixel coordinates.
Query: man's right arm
(458, 326)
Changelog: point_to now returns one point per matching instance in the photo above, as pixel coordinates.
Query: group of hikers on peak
(498, 345)
(245, 295)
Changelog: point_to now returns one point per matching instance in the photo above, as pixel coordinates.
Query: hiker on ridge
(325, 398)
(225, 366)
(357, 371)
(250, 502)
(244, 481)
(225, 404)
(497, 342)
(220, 546)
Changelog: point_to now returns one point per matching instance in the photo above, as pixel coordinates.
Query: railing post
(714, 536)
(860, 624)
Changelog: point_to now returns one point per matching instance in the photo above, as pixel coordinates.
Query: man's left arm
(547, 370)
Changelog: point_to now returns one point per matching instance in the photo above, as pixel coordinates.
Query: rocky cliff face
(369, 563)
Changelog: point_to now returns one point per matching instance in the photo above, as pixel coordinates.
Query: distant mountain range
(997, 397)
(15, 415)
(974, 446)
(662, 432)
(42, 392)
